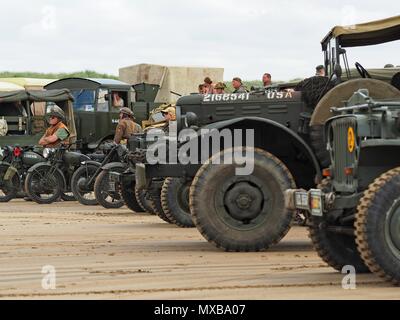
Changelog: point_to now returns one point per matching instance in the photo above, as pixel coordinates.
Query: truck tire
(128, 194)
(106, 199)
(337, 250)
(335, 98)
(175, 202)
(155, 202)
(144, 202)
(378, 224)
(242, 213)
(8, 189)
(84, 195)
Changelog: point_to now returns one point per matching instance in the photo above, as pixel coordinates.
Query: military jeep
(247, 213)
(354, 213)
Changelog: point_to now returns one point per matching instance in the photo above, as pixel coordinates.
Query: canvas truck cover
(365, 34)
(182, 80)
(38, 96)
(63, 96)
(28, 83)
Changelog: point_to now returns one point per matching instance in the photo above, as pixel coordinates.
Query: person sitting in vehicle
(267, 80)
(58, 132)
(208, 86)
(169, 114)
(320, 71)
(220, 88)
(238, 86)
(118, 102)
(126, 126)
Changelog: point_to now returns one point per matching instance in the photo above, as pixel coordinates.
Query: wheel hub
(244, 201)
(82, 184)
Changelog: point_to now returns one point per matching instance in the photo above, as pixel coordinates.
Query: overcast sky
(247, 38)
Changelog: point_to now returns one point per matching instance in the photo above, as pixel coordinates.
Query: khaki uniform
(54, 130)
(125, 129)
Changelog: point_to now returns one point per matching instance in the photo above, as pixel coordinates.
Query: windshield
(84, 100)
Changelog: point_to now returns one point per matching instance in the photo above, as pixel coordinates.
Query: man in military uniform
(58, 132)
(126, 126)
(238, 86)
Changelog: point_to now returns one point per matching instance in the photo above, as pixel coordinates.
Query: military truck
(22, 115)
(354, 213)
(247, 213)
(97, 103)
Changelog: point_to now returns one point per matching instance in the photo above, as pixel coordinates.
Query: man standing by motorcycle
(126, 126)
(58, 132)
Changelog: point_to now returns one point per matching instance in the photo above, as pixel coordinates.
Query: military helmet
(127, 111)
(220, 85)
(56, 111)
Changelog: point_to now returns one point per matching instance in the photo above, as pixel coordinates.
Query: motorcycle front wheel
(44, 186)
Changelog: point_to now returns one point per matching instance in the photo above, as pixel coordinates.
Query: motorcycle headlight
(47, 152)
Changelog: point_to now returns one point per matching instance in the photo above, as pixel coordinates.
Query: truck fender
(266, 122)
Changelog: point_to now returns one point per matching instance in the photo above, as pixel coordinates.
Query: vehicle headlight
(190, 119)
(47, 152)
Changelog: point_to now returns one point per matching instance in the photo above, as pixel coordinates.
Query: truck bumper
(317, 202)
(312, 201)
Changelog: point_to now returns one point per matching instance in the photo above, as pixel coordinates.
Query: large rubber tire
(378, 226)
(8, 189)
(242, 213)
(129, 196)
(155, 203)
(54, 183)
(100, 185)
(335, 98)
(175, 202)
(84, 173)
(337, 250)
(143, 200)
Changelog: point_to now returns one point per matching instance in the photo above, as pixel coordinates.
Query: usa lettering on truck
(230, 97)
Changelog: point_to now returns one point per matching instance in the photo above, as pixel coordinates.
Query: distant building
(182, 80)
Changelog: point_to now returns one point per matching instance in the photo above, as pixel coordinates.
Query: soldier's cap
(170, 110)
(320, 67)
(220, 85)
(237, 79)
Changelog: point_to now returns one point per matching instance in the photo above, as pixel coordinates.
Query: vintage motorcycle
(48, 181)
(14, 167)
